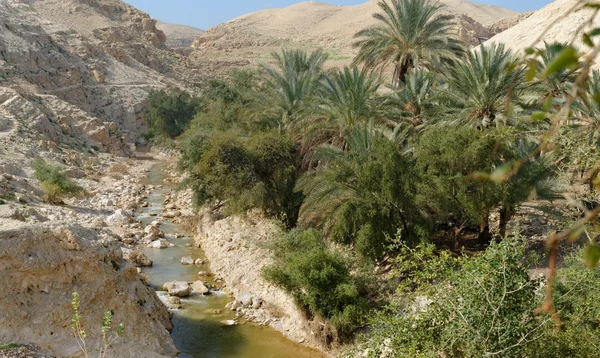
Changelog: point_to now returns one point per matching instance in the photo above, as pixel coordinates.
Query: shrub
(485, 308)
(53, 181)
(318, 279)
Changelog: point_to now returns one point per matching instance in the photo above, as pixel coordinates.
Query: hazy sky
(207, 13)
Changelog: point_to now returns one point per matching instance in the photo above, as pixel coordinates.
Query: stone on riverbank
(177, 288)
(187, 260)
(159, 244)
(200, 287)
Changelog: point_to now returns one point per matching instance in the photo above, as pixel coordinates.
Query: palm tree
(362, 195)
(293, 81)
(417, 101)
(557, 84)
(410, 33)
(486, 82)
(345, 100)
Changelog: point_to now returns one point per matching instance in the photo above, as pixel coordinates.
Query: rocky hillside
(562, 27)
(179, 36)
(252, 37)
(80, 69)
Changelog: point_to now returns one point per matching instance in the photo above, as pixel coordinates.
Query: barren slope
(561, 28)
(251, 38)
(85, 65)
(179, 36)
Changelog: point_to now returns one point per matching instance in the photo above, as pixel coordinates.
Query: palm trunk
(506, 214)
(484, 230)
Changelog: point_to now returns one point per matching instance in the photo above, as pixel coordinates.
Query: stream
(198, 331)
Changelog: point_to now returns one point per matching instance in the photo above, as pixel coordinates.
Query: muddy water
(199, 333)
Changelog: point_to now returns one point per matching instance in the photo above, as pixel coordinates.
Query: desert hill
(252, 37)
(561, 28)
(179, 36)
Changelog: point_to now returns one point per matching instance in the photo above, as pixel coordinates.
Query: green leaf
(567, 58)
(588, 40)
(532, 68)
(502, 173)
(538, 116)
(591, 255)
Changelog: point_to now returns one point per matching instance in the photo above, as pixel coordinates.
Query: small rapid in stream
(198, 331)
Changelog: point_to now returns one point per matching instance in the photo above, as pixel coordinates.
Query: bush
(169, 113)
(259, 173)
(53, 181)
(319, 280)
(485, 308)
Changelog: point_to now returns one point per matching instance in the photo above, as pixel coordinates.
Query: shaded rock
(199, 287)
(136, 258)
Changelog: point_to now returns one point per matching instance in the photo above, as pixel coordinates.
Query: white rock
(187, 260)
(177, 288)
(245, 298)
(229, 322)
(159, 244)
(199, 262)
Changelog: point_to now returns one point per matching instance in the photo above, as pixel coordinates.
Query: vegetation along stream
(199, 332)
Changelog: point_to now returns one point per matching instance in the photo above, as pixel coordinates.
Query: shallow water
(196, 332)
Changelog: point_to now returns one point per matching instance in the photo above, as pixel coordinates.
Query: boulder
(152, 230)
(200, 287)
(199, 262)
(256, 302)
(159, 244)
(229, 322)
(245, 298)
(187, 260)
(177, 288)
(136, 258)
(120, 217)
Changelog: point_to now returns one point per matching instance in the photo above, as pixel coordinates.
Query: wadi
(398, 178)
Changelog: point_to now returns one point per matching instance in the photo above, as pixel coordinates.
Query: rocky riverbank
(84, 246)
(236, 248)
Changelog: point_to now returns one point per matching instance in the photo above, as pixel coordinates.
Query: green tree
(487, 83)
(450, 159)
(485, 308)
(409, 34)
(362, 195)
(169, 112)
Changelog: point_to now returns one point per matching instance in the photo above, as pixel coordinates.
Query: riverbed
(199, 330)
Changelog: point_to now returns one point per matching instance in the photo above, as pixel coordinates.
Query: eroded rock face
(43, 265)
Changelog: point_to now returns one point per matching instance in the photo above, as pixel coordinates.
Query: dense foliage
(169, 113)
(375, 182)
